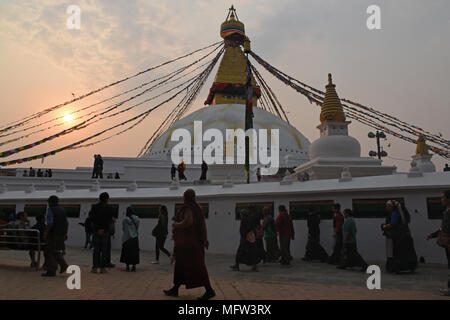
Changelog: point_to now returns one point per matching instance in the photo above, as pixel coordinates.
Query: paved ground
(302, 281)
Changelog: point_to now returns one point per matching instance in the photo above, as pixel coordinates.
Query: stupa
(336, 151)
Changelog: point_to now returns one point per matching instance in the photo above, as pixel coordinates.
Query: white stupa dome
(335, 146)
(293, 145)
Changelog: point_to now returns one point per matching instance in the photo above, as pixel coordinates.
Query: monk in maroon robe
(190, 240)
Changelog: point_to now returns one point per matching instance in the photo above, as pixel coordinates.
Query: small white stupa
(335, 151)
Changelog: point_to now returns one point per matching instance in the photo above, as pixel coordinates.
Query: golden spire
(421, 148)
(332, 110)
(229, 82)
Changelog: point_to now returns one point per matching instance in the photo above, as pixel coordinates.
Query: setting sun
(68, 118)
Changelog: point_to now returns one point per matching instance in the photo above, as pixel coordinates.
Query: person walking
(95, 167)
(314, 251)
(160, 232)
(270, 236)
(41, 227)
(401, 255)
(190, 240)
(350, 256)
(443, 234)
(204, 170)
(259, 233)
(101, 216)
(55, 235)
(181, 168)
(99, 167)
(285, 229)
(247, 252)
(130, 240)
(173, 172)
(258, 174)
(338, 221)
(87, 224)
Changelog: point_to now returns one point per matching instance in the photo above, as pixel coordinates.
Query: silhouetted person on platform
(204, 170)
(94, 168)
(181, 168)
(173, 172)
(99, 167)
(446, 168)
(258, 174)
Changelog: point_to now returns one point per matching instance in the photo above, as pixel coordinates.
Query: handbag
(443, 240)
(155, 231)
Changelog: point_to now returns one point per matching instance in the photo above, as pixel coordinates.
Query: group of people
(52, 227)
(97, 171)
(32, 173)
(400, 252)
(190, 238)
(181, 168)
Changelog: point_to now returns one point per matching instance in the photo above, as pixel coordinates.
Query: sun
(68, 118)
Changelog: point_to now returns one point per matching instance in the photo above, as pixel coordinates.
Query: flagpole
(248, 108)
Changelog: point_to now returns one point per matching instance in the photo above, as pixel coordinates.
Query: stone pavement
(303, 281)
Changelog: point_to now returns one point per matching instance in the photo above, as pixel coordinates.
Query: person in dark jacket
(204, 170)
(444, 229)
(99, 167)
(285, 229)
(247, 252)
(173, 172)
(160, 232)
(102, 216)
(314, 251)
(95, 167)
(55, 236)
(88, 231)
(401, 255)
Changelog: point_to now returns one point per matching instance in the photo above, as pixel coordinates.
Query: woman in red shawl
(190, 241)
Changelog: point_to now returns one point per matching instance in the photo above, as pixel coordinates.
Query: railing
(23, 240)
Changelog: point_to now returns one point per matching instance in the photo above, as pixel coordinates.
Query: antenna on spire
(232, 15)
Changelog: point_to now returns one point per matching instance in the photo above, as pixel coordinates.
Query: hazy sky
(402, 69)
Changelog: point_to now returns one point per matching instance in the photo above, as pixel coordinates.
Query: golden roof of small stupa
(421, 148)
(332, 110)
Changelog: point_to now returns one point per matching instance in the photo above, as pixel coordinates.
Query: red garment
(284, 225)
(189, 250)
